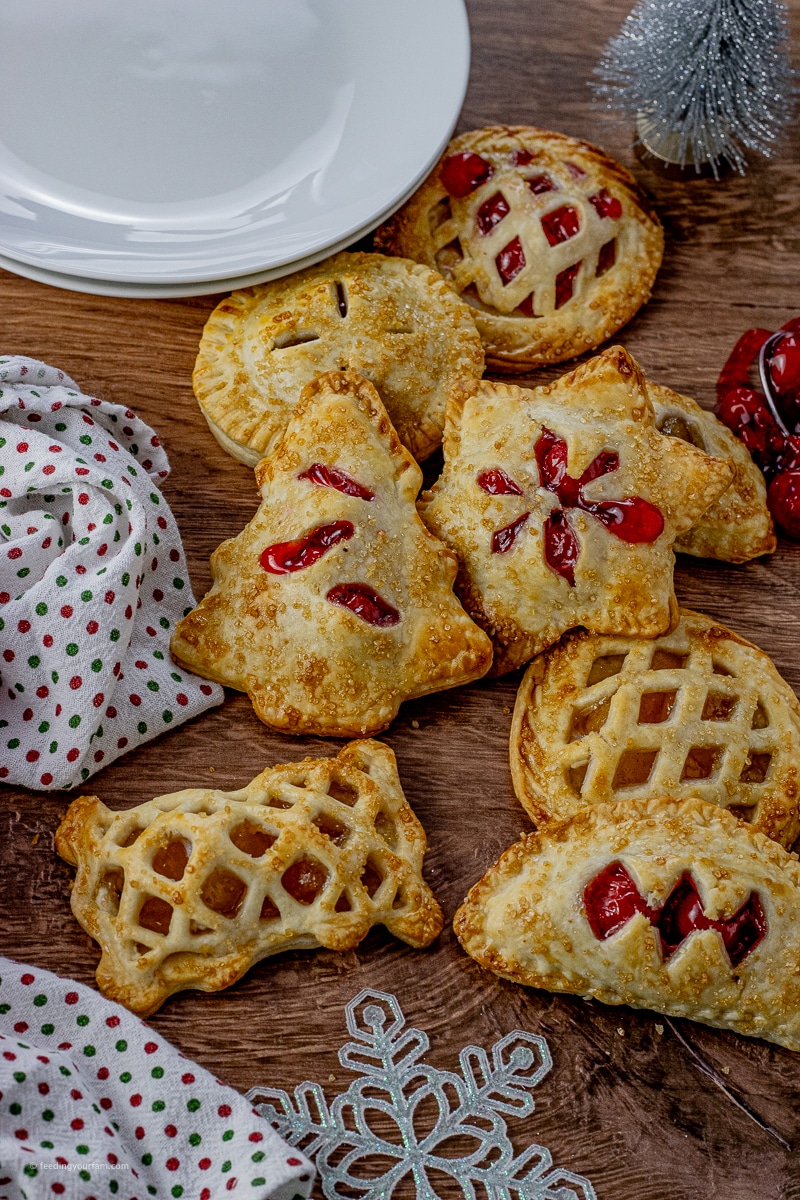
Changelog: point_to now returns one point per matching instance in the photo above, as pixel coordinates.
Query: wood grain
(626, 1103)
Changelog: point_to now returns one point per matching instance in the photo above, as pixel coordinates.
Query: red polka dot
(75, 682)
(109, 597)
(98, 699)
(66, 610)
(15, 552)
(231, 1184)
(58, 1188)
(256, 1137)
(224, 1110)
(101, 550)
(23, 446)
(128, 613)
(172, 1164)
(48, 640)
(65, 1045)
(32, 756)
(22, 1134)
(92, 627)
(158, 594)
(73, 754)
(8, 655)
(48, 469)
(205, 689)
(136, 1100)
(106, 1102)
(58, 710)
(204, 1164)
(47, 543)
(162, 523)
(76, 1124)
(138, 1133)
(100, 458)
(182, 699)
(140, 664)
(112, 1158)
(47, 779)
(71, 998)
(44, 1088)
(294, 1162)
(122, 743)
(27, 979)
(9, 1056)
(112, 1022)
(43, 692)
(174, 555)
(103, 1072)
(111, 712)
(150, 1047)
(187, 1078)
(99, 755)
(170, 1130)
(205, 1194)
(24, 626)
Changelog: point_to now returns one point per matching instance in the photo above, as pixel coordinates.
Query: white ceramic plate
(163, 144)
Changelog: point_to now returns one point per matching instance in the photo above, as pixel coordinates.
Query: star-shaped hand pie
(563, 504)
(335, 603)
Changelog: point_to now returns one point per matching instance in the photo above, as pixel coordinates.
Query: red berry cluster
(746, 413)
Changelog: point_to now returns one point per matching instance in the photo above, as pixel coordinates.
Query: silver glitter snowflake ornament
(705, 80)
(371, 1137)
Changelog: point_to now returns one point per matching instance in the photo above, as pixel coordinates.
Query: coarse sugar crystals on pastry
(189, 890)
(696, 712)
(551, 241)
(737, 527)
(335, 603)
(394, 321)
(672, 905)
(563, 504)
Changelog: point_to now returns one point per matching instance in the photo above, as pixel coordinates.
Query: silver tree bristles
(711, 76)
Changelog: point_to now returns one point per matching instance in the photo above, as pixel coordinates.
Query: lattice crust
(697, 712)
(189, 890)
(514, 588)
(334, 641)
(394, 321)
(737, 526)
(527, 919)
(555, 249)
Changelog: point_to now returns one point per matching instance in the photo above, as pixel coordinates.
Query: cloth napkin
(96, 1106)
(92, 580)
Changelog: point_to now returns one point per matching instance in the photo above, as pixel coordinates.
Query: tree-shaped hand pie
(673, 905)
(563, 504)
(189, 890)
(335, 604)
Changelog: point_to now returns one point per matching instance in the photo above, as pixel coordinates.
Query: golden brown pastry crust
(526, 919)
(394, 321)
(737, 526)
(697, 712)
(310, 665)
(619, 586)
(443, 231)
(337, 833)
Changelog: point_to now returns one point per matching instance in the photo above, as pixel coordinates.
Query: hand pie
(737, 526)
(664, 904)
(697, 712)
(395, 322)
(551, 241)
(190, 890)
(335, 604)
(563, 504)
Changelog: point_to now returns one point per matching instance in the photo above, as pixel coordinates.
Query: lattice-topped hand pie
(737, 526)
(394, 321)
(551, 241)
(663, 904)
(563, 504)
(697, 712)
(189, 890)
(335, 604)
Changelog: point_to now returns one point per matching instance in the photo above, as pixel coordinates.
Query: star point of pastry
(335, 603)
(189, 890)
(563, 504)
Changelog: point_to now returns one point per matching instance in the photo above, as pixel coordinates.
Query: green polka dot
(157, 1072)
(152, 1190)
(85, 440)
(137, 549)
(193, 1105)
(97, 665)
(126, 579)
(23, 573)
(30, 1170)
(107, 519)
(85, 1175)
(227, 1135)
(40, 1000)
(114, 635)
(34, 661)
(163, 622)
(86, 596)
(113, 1186)
(195, 1139)
(12, 745)
(65, 1070)
(258, 1182)
(157, 654)
(89, 1051)
(60, 426)
(258, 1156)
(75, 720)
(53, 747)
(159, 1106)
(125, 1077)
(48, 1114)
(107, 483)
(142, 727)
(167, 716)
(154, 497)
(178, 678)
(84, 541)
(47, 1029)
(54, 676)
(61, 581)
(82, 1020)
(226, 1166)
(178, 583)
(81, 1149)
(152, 686)
(15, 1109)
(147, 1159)
(71, 649)
(44, 727)
(19, 1076)
(47, 1145)
(177, 1190)
(121, 1045)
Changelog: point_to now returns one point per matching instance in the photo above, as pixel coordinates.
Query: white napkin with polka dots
(92, 581)
(94, 1105)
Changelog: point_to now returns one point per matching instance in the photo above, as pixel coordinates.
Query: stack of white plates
(181, 147)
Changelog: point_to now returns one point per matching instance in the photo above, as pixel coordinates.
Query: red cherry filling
(526, 308)
(606, 205)
(565, 284)
(612, 898)
(510, 261)
(462, 173)
(784, 502)
(561, 224)
(631, 519)
(332, 477)
(365, 602)
(282, 558)
(575, 171)
(491, 212)
(539, 184)
(504, 539)
(497, 483)
(521, 157)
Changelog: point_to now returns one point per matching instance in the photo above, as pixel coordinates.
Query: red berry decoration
(784, 502)
(745, 413)
(783, 367)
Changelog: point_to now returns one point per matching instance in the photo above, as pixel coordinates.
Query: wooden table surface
(683, 1114)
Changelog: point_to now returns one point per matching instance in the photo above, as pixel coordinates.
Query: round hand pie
(548, 239)
(393, 321)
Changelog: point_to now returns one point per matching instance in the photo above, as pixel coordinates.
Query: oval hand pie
(657, 903)
(696, 712)
(394, 321)
(550, 241)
